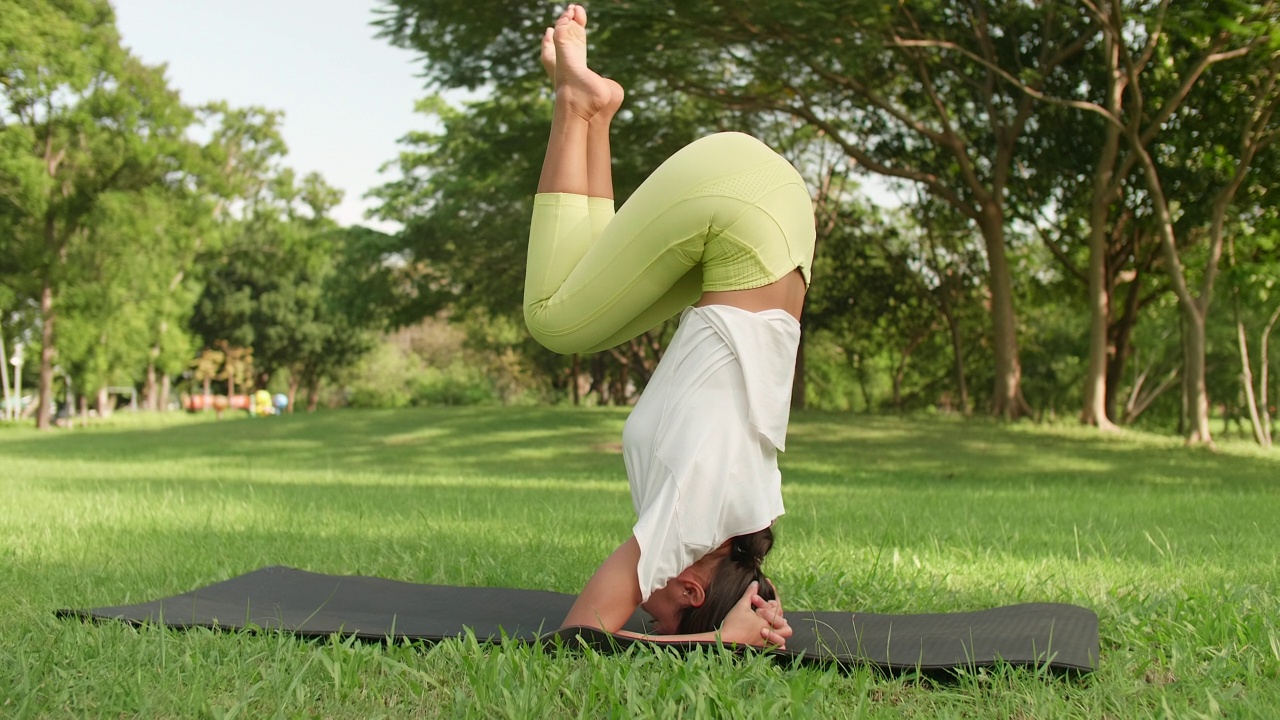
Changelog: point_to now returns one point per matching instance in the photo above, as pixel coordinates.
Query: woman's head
(728, 581)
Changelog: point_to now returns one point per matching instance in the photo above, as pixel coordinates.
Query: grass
(1176, 549)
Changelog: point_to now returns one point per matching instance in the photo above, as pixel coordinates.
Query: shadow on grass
(947, 450)
(470, 441)
(824, 449)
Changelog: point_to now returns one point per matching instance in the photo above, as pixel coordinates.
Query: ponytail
(730, 580)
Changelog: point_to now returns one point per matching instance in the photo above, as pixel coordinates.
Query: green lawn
(1175, 549)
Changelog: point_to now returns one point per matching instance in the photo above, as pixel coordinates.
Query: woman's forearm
(612, 594)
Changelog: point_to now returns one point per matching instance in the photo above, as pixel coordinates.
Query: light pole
(4, 379)
(17, 380)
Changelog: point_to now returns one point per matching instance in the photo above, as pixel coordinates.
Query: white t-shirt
(701, 446)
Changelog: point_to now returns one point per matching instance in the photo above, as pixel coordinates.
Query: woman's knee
(725, 149)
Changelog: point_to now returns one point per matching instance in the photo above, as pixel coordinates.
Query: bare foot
(549, 64)
(549, 54)
(564, 56)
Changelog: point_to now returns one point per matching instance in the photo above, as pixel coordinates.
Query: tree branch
(864, 159)
(877, 101)
(1008, 77)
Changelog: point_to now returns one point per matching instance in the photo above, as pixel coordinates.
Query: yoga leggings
(723, 213)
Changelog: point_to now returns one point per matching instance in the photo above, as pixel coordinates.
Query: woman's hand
(771, 612)
(756, 621)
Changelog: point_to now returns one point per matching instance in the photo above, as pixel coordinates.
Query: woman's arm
(612, 595)
(753, 621)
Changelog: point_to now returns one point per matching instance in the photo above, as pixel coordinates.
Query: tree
(288, 285)
(1252, 276)
(82, 119)
(1258, 129)
(871, 81)
(1159, 62)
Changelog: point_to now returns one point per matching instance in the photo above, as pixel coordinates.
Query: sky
(347, 96)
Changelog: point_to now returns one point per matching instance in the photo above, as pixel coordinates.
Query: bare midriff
(785, 294)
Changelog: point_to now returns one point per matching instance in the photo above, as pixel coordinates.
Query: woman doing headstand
(723, 231)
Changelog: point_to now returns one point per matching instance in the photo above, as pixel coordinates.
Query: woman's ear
(694, 594)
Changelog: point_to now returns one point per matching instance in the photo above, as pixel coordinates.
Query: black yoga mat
(1042, 635)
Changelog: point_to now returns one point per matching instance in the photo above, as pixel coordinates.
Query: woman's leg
(592, 284)
(723, 197)
(581, 95)
(599, 155)
(575, 200)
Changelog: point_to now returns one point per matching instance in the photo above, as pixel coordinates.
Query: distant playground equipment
(260, 404)
(217, 403)
(263, 404)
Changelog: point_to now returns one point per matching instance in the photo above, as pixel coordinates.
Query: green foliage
(439, 362)
(838, 379)
(465, 202)
(97, 165)
(383, 379)
(890, 106)
(979, 106)
(391, 378)
(305, 295)
(110, 210)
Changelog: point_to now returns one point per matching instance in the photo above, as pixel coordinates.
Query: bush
(383, 379)
(458, 384)
(393, 376)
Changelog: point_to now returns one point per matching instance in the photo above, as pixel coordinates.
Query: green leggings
(723, 213)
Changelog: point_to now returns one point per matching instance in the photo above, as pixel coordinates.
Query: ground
(1174, 548)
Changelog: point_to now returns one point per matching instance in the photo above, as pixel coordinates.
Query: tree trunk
(1195, 393)
(1259, 413)
(1263, 389)
(1196, 389)
(69, 401)
(1246, 379)
(104, 402)
(165, 387)
(900, 372)
(294, 383)
(597, 378)
(1095, 383)
(620, 387)
(313, 396)
(856, 363)
(575, 368)
(1138, 403)
(44, 415)
(957, 355)
(4, 375)
(149, 389)
(1182, 343)
(1121, 336)
(1007, 399)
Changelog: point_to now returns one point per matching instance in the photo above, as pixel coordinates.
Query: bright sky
(347, 96)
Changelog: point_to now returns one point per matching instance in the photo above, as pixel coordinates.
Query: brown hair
(729, 581)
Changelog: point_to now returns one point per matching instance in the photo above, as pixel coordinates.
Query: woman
(723, 230)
